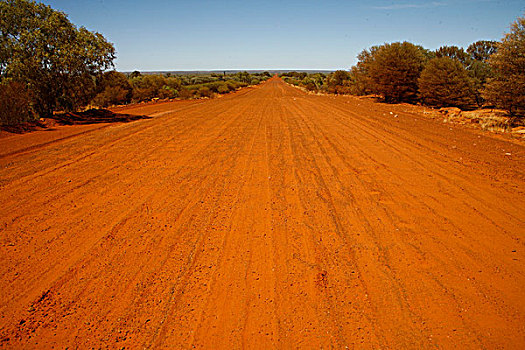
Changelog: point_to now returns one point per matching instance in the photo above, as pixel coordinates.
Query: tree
(482, 50)
(112, 88)
(15, 103)
(507, 89)
(445, 82)
(336, 80)
(394, 71)
(479, 73)
(135, 74)
(40, 47)
(456, 53)
(359, 80)
(244, 77)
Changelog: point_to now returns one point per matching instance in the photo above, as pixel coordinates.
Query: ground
(269, 218)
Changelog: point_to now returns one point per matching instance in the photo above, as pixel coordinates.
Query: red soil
(265, 219)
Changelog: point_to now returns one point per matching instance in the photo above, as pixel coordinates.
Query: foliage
(455, 53)
(113, 88)
(147, 87)
(482, 50)
(135, 74)
(444, 82)
(336, 82)
(309, 81)
(15, 100)
(111, 95)
(223, 89)
(394, 71)
(244, 77)
(296, 75)
(479, 73)
(40, 47)
(507, 89)
(205, 91)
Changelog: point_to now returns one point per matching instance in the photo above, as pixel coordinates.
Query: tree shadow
(91, 116)
(95, 116)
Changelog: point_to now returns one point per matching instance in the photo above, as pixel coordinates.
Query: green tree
(475, 61)
(445, 82)
(244, 77)
(394, 71)
(112, 88)
(135, 74)
(479, 73)
(482, 50)
(336, 81)
(507, 89)
(15, 102)
(456, 53)
(40, 47)
(359, 81)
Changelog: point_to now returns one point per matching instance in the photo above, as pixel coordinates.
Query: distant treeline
(115, 88)
(47, 64)
(487, 73)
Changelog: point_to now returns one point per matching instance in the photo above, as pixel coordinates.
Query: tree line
(48, 64)
(116, 88)
(487, 73)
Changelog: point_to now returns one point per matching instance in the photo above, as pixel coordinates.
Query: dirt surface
(265, 219)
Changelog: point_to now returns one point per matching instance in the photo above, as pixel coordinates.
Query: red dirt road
(265, 219)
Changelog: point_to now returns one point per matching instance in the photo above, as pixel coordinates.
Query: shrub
(395, 69)
(507, 89)
(444, 82)
(15, 102)
(168, 92)
(143, 94)
(205, 91)
(310, 85)
(112, 95)
(336, 81)
(185, 93)
(223, 89)
(112, 88)
(479, 72)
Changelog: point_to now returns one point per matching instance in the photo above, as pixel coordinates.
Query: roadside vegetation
(115, 88)
(485, 74)
(47, 64)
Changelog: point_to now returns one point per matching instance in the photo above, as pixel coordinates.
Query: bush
(444, 82)
(223, 89)
(395, 69)
(186, 93)
(336, 82)
(15, 102)
(112, 88)
(507, 89)
(205, 91)
(112, 95)
(146, 87)
(167, 92)
(309, 85)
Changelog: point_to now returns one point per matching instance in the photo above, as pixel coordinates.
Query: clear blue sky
(280, 34)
